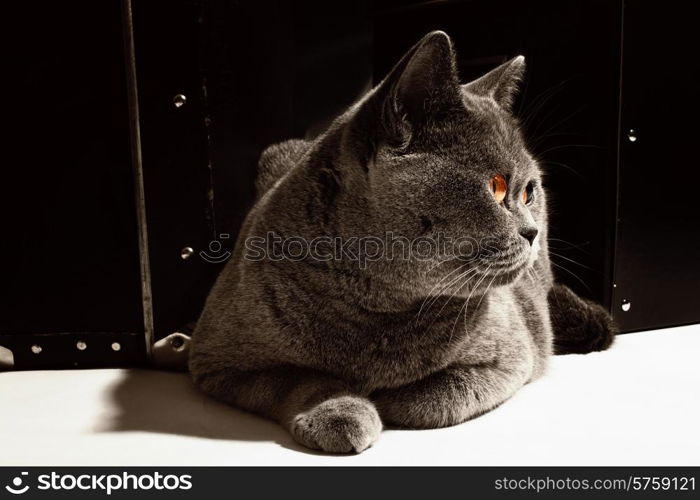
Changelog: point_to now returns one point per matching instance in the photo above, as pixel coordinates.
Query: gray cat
(333, 347)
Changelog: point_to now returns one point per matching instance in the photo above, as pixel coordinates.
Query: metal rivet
(632, 135)
(177, 342)
(179, 100)
(36, 349)
(116, 346)
(186, 253)
(81, 345)
(626, 305)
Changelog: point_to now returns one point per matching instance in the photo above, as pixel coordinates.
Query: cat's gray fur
(332, 349)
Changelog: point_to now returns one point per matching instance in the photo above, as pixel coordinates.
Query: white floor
(636, 404)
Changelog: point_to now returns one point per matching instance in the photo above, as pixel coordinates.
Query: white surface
(636, 404)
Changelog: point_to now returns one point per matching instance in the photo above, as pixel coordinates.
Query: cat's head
(449, 159)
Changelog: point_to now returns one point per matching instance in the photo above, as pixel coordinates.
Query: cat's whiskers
(572, 274)
(538, 103)
(459, 289)
(511, 265)
(477, 285)
(430, 298)
(449, 340)
(457, 269)
(440, 293)
(442, 262)
(572, 261)
(533, 277)
(531, 274)
(559, 164)
(571, 245)
(544, 134)
(429, 295)
(486, 291)
(465, 306)
(562, 146)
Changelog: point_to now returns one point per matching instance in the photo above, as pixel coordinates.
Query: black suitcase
(136, 127)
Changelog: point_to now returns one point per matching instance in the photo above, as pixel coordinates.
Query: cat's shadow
(167, 402)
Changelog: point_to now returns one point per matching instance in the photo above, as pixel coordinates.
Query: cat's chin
(509, 269)
(511, 275)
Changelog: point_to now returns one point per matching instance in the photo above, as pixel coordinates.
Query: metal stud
(626, 305)
(176, 342)
(179, 100)
(186, 253)
(36, 349)
(116, 346)
(632, 135)
(81, 345)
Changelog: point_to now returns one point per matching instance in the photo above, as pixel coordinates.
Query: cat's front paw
(339, 425)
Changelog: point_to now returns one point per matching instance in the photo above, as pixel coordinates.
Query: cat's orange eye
(499, 187)
(527, 194)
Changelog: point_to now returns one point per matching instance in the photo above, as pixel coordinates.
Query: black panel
(167, 37)
(657, 266)
(568, 104)
(77, 350)
(68, 217)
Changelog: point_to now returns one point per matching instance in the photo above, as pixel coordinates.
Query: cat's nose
(529, 233)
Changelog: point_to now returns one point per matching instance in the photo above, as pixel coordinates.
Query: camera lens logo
(215, 254)
(16, 488)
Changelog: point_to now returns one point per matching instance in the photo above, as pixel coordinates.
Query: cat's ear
(421, 85)
(501, 83)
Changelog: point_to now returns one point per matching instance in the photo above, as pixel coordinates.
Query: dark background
(623, 214)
